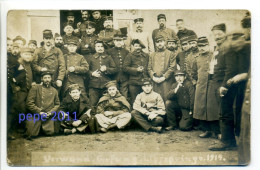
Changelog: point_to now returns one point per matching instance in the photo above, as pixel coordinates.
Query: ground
(128, 147)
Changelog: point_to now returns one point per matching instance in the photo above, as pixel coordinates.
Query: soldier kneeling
(179, 103)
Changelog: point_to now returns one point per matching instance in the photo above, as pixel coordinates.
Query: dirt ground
(131, 146)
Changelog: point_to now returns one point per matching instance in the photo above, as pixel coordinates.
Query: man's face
(96, 15)
(75, 94)
(27, 56)
(247, 32)
(160, 44)
(112, 91)
(32, 46)
(84, 15)
(20, 43)
(180, 78)
(99, 47)
(16, 51)
(119, 42)
(68, 29)
(147, 88)
(46, 79)
(70, 19)
(137, 47)
(139, 25)
(48, 41)
(180, 25)
(185, 46)
(108, 24)
(171, 46)
(203, 49)
(237, 42)
(58, 41)
(193, 45)
(90, 30)
(219, 36)
(162, 22)
(9, 46)
(72, 48)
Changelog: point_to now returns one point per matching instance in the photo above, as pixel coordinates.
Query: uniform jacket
(42, 99)
(132, 62)
(99, 24)
(81, 69)
(185, 33)
(107, 35)
(181, 59)
(184, 96)
(96, 61)
(167, 33)
(117, 104)
(87, 45)
(119, 55)
(189, 63)
(52, 60)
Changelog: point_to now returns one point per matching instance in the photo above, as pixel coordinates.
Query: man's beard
(172, 48)
(59, 45)
(194, 49)
(46, 84)
(70, 22)
(161, 25)
(85, 18)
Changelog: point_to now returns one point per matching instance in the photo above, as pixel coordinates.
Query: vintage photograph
(128, 87)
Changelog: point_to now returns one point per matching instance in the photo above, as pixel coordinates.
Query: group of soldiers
(100, 78)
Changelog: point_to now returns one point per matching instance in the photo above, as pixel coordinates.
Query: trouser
(94, 95)
(239, 102)
(143, 121)
(174, 111)
(123, 88)
(134, 90)
(227, 116)
(212, 126)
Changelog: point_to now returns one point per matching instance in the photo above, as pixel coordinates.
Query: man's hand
(17, 88)
(59, 83)
(161, 79)
(103, 68)
(108, 113)
(86, 45)
(177, 88)
(33, 83)
(96, 74)
(155, 79)
(140, 69)
(222, 91)
(44, 69)
(71, 69)
(76, 30)
(76, 123)
(152, 116)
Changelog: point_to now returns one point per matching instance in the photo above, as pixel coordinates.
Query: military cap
(70, 13)
(139, 20)
(107, 18)
(221, 27)
(159, 38)
(57, 35)
(184, 39)
(178, 20)
(33, 42)
(137, 41)
(118, 36)
(83, 11)
(46, 73)
(26, 49)
(74, 87)
(111, 83)
(172, 39)
(19, 38)
(179, 72)
(47, 34)
(72, 41)
(193, 38)
(90, 24)
(161, 16)
(246, 22)
(124, 31)
(234, 34)
(96, 10)
(102, 42)
(202, 41)
(67, 24)
(15, 44)
(146, 81)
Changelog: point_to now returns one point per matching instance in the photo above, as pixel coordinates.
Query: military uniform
(87, 46)
(99, 24)
(107, 35)
(185, 33)
(67, 38)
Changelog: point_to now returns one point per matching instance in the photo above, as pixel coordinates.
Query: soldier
(68, 29)
(167, 33)
(58, 41)
(101, 68)
(49, 58)
(77, 112)
(43, 100)
(108, 33)
(119, 53)
(186, 50)
(139, 33)
(149, 108)
(113, 109)
(32, 44)
(76, 69)
(98, 19)
(135, 65)
(172, 45)
(162, 64)
(205, 98)
(87, 46)
(81, 26)
(180, 102)
(182, 31)
(20, 41)
(70, 20)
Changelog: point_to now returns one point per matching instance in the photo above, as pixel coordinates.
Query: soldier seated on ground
(77, 112)
(179, 103)
(149, 108)
(113, 109)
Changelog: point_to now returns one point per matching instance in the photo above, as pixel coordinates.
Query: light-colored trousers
(121, 120)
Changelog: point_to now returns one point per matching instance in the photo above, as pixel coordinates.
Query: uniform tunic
(87, 46)
(107, 35)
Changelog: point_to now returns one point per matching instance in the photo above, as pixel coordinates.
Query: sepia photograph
(128, 87)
